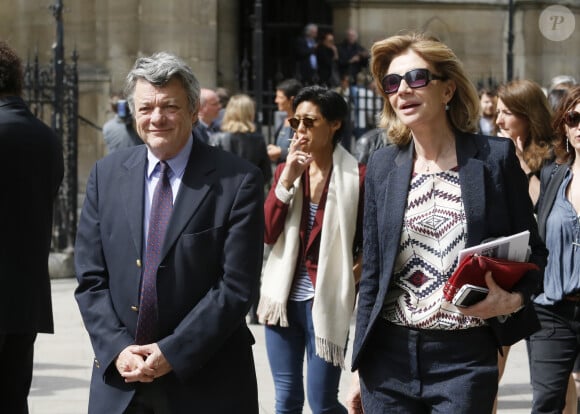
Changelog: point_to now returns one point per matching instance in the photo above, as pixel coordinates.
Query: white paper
(514, 247)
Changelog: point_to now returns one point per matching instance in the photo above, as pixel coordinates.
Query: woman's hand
(296, 162)
(353, 399)
(519, 143)
(497, 302)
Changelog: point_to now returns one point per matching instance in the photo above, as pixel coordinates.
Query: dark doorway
(282, 22)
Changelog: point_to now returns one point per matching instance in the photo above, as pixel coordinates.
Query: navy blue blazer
(494, 190)
(206, 281)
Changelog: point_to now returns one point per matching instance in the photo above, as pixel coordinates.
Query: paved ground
(63, 364)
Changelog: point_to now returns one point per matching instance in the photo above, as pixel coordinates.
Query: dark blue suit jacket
(206, 282)
(494, 191)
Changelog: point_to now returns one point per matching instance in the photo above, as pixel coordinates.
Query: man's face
(162, 117)
(211, 108)
(351, 36)
(487, 105)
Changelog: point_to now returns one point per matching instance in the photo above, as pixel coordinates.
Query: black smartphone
(469, 295)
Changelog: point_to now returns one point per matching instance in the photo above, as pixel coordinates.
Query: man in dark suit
(209, 110)
(198, 357)
(306, 61)
(32, 165)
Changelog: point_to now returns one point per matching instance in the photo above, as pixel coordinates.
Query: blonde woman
(239, 134)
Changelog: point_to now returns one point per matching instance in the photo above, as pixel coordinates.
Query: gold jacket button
(138, 262)
(97, 363)
(134, 308)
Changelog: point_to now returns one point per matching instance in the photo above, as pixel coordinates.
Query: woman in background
(239, 134)
(524, 115)
(553, 349)
(313, 217)
(285, 93)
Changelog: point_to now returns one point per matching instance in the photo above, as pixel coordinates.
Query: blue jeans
(286, 348)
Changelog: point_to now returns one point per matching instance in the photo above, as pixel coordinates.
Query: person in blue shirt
(553, 349)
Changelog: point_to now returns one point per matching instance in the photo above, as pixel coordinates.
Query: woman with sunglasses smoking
(313, 217)
(554, 347)
(438, 189)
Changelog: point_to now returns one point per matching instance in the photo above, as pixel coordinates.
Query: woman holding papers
(438, 189)
(554, 347)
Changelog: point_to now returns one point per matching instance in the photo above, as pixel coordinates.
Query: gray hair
(158, 69)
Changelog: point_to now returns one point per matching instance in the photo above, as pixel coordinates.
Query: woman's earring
(567, 145)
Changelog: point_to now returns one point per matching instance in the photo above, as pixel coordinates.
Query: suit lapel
(194, 187)
(472, 182)
(393, 212)
(131, 191)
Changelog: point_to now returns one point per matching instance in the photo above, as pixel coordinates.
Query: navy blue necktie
(161, 207)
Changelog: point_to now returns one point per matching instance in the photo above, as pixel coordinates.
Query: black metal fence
(51, 91)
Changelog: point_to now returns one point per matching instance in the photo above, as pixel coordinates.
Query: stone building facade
(212, 36)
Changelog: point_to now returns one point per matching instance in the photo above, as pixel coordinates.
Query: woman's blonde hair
(239, 115)
(526, 100)
(463, 111)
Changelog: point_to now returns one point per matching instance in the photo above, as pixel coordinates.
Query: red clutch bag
(472, 269)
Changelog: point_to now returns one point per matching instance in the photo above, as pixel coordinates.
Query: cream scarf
(334, 295)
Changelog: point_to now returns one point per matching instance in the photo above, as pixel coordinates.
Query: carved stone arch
(438, 28)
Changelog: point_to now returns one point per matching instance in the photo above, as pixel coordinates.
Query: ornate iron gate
(52, 91)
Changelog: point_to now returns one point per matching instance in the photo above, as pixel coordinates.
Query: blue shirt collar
(177, 163)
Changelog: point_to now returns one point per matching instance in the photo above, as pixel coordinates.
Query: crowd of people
(192, 222)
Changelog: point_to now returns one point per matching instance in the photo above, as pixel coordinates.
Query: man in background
(224, 97)
(209, 110)
(352, 56)
(32, 164)
(118, 131)
(488, 102)
(306, 61)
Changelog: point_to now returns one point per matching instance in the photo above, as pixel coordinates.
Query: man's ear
(335, 125)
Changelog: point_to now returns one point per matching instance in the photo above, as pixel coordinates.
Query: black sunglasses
(572, 118)
(416, 78)
(295, 122)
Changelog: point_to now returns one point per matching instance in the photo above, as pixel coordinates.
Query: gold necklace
(443, 154)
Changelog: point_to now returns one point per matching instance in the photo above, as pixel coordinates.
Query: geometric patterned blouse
(434, 231)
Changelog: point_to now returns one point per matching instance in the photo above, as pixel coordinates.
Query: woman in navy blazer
(439, 189)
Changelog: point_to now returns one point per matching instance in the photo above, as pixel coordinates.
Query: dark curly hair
(11, 74)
